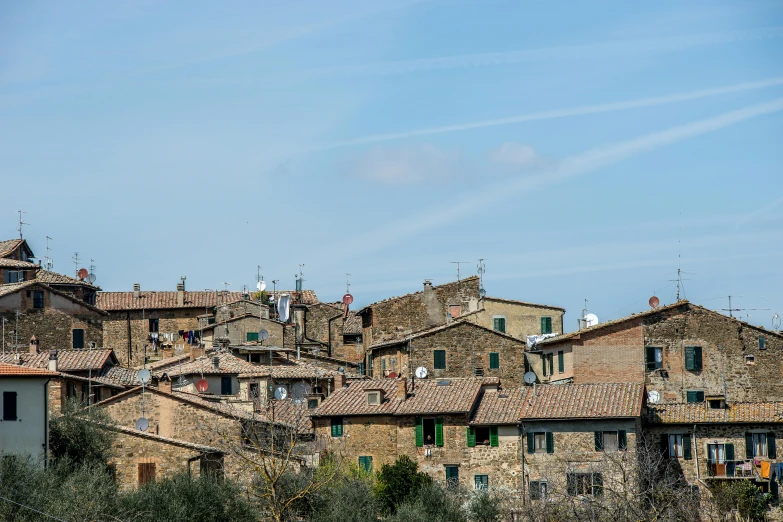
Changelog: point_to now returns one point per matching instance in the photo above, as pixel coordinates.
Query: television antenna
(75, 260)
(182, 381)
(144, 376)
(48, 261)
(21, 222)
(730, 310)
(458, 263)
(347, 283)
(481, 269)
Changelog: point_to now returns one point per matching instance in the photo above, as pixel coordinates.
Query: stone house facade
(458, 349)
(682, 352)
(516, 318)
(16, 261)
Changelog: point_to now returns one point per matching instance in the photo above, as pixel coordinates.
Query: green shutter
(471, 436)
(365, 464)
(699, 396)
(560, 362)
(494, 361)
(452, 475)
(748, 445)
(251, 336)
(729, 452)
(493, 436)
(697, 358)
(499, 323)
(337, 427)
(543, 361)
(687, 451)
(78, 338)
(531, 443)
(622, 440)
(543, 325)
(598, 484)
(689, 364)
(550, 442)
(772, 452)
(571, 484)
(551, 358)
(695, 396)
(438, 431)
(665, 445)
(599, 441)
(439, 359)
(419, 433)
(361, 368)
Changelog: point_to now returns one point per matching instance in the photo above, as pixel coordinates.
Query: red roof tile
(500, 407)
(443, 396)
(227, 364)
(13, 370)
(583, 401)
(352, 400)
(471, 279)
(163, 300)
(701, 413)
(67, 360)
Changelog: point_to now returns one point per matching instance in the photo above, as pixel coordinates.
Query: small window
(546, 325)
(759, 444)
(482, 435)
(337, 426)
(154, 324)
(560, 361)
(373, 398)
(611, 441)
(717, 404)
(365, 464)
(762, 342)
(225, 386)
(455, 310)
(478, 372)
(312, 403)
(584, 484)
(693, 358)
(693, 396)
(675, 446)
(251, 336)
(540, 440)
(38, 299)
(361, 368)
(70, 390)
(494, 360)
(481, 481)
(750, 360)
(146, 473)
(549, 364)
(428, 431)
(654, 358)
(9, 406)
(452, 475)
(78, 338)
(538, 490)
(439, 359)
(499, 324)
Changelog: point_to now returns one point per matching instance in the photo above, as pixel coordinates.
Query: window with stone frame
(439, 359)
(538, 490)
(540, 442)
(610, 441)
(760, 444)
(584, 484)
(482, 435)
(428, 431)
(653, 357)
(38, 299)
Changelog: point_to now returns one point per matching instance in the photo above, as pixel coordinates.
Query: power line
(33, 509)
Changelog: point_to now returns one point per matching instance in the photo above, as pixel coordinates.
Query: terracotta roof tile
(304, 297)
(471, 279)
(435, 329)
(500, 407)
(53, 278)
(583, 401)
(352, 400)
(701, 413)
(228, 364)
(6, 246)
(13, 370)
(120, 376)
(526, 303)
(163, 300)
(352, 324)
(11, 288)
(67, 360)
(295, 370)
(15, 263)
(443, 396)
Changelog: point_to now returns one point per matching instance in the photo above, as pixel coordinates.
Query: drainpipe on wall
(695, 448)
(522, 446)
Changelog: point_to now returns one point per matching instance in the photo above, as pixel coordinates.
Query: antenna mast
(347, 283)
(458, 263)
(49, 261)
(75, 260)
(21, 223)
(730, 309)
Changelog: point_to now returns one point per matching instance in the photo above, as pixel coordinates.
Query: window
(429, 432)
(540, 442)
(70, 390)
(455, 310)
(225, 386)
(560, 362)
(549, 364)
(154, 323)
(693, 396)
(211, 467)
(146, 472)
(693, 358)
(312, 403)
(546, 325)
(337, 426)
(481, 481)
(760, 445)
(38, 299)
(78, 338)
(762, 342)
(361, 368)
(365, 464)
(482, 436)
(611, 441)
(720, 460)
(452, 475)
(584, 484)
(678, 446)
(717, 404)
(538, 490)
(499, 324)
(9, 406)
(383, 367)
(439, 362)
(373, 398)
(251, 336)
(13, 276)
(654, 358)
(494, 361)
(750, 360)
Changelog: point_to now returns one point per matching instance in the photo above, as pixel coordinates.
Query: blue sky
(577, 147)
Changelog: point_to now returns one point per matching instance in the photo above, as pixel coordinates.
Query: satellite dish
(341, 370)
(776, 322)
(144, 376)
(281, 393)
(421, 372)
(653, 397)
(654, 302)
(202, 385)
(347, 299)
(482, 293)
(263, 335)
(261, 286)
(91, 278)
(142, 424)
(591, 320)
(530, 377)
(82, 273)
(392, 375)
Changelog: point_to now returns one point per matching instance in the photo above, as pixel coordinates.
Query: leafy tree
(432, 503)
(399, 482)
(349, 499)
(484, 506)
(741, 497)
(77, 437)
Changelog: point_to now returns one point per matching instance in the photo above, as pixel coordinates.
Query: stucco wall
(27, 434)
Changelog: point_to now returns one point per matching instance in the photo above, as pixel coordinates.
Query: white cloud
(512, 155)
(416, 163)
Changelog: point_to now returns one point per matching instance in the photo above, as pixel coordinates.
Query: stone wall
(371, 435)
(521, 319)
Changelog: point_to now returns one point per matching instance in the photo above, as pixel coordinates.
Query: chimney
(136, 290)
(216, 362)
(402, 388)
(34, 345)
(164, 384)
(196, 352)
(427, 286)
(339, 381)
(300, 322)
(53, 361)
(181, 294)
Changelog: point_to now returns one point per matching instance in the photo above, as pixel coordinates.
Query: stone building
(682, 352)
(219, 369)
(457, 349)
(516, 318)
(353, 347)
(140, 323)
(303, 382)
(711, 442)
(16, 261)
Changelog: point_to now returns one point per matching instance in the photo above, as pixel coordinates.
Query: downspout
(130, 341)
(46, 423)
(696, 458)
(522, 442)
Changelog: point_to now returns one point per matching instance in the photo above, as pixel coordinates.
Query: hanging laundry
(765, 465)
(182, 333)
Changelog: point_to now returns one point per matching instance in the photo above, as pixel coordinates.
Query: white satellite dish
(261, 286)
(90, 278)
(144, 376)
(530, 377)
(263, 335)
(653, 397)
(590, 320)
(421, 372)
(142, 424)
(298, 392)
(776, 322)
(281, 393)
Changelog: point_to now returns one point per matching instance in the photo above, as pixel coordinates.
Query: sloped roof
(158, 438)
(443, 396)
(701, 413)
(294, 370)
(120, 376)
(352, 400)
(15, 263)
(307, 297)
(471, 279)
(165, 362)
(153, 300)
(525, 303)
(500, 407)
(228, 364)
(12, 288)
(53, 278)
(9, 245)
(14, 370)
(583, 401)
(352, 324)
(67, 360)
(435, 329)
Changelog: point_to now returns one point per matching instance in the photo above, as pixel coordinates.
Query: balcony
(733, 469)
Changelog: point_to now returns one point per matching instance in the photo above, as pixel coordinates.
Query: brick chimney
(34, 349)
(339, 381)
(216, 363)
(53, 361)
(181, 294)
(402, 388)
(196, 352)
